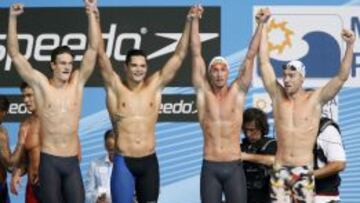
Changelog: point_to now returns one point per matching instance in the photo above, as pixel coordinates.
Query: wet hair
(4, 103)
(259, 117)
(24, 85)
(134, 52)
(109, 134)
(60, 50)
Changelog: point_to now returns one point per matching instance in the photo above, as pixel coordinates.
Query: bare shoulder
(24, 126)
(313, 94)
(235, 89)
(153, 81)
(154, 78)
(75, 76)
(118, 83)
(116, 90)
(279, 94)
(75, 80)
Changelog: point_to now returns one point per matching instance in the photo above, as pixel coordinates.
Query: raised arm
(333, 86)
(167, 73)
(267, 71)
(89, 59)
(106, 69)
(245, 73)
(198, 64)
(23, 67)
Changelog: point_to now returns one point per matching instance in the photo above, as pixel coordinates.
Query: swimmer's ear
(126, 68)
(52, 65)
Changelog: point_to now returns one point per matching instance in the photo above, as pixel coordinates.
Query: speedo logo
(179, 107)
(18, 108)
(39, 47)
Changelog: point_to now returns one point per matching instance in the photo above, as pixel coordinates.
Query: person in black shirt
(257, 153)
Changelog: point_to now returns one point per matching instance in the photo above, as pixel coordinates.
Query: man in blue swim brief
(133, 105)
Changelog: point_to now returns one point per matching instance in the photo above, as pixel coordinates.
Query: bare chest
(298, 113)
(141, 104)
(62, 103)
(227, 108)
(32, 133)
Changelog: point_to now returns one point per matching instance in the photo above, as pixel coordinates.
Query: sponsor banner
(312, 35)
(157, 30)
(178, 108)
(174, 108)
(17, 109)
